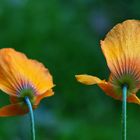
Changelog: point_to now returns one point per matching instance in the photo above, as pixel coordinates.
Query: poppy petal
(40, 97)
(106, 87)
(133, 99)
(17, 71)
(12, 110)
(88, 79)
(91, 80)
(121, 48)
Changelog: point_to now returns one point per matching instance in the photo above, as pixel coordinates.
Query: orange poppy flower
(121, 48)
(21, 77)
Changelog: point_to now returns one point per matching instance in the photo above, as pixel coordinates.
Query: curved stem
(124, 111)
(27, 100)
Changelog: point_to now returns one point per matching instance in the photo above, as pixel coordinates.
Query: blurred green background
(65, 35)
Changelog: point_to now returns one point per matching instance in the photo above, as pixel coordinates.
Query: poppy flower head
(22, 77)
(121, 48)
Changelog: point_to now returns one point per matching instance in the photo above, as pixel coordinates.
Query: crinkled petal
(106, 87)
(13, 110)
(16, 71)
(121, 48)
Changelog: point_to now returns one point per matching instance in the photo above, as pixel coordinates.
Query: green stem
(124, 111)
(27, 100)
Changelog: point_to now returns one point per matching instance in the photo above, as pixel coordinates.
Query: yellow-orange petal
(121, 48)
(12, 110)
(133, 99)
(106, 87)
(16, 70)
(91, 80)
(40, 97)
(88, 79)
